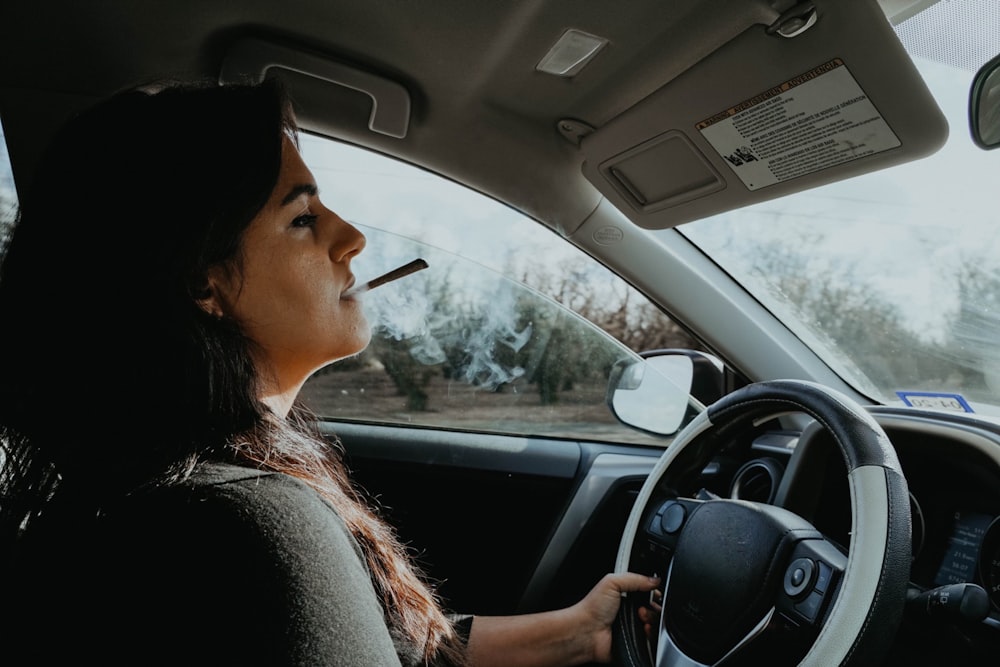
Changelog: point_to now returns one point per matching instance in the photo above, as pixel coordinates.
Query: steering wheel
(756, 583)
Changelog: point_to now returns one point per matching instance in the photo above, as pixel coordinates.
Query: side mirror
(664, 390)
(984, 106)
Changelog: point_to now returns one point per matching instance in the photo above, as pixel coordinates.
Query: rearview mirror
(984, 106)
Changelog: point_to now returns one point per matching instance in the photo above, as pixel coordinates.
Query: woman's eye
(306, 220)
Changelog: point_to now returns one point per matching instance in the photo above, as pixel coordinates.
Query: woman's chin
(352, 343)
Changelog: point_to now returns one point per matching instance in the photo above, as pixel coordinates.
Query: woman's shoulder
(234, 521)
(211, 480)
(207, 475)
(222, 496)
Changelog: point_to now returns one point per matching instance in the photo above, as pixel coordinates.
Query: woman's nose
(347, 241)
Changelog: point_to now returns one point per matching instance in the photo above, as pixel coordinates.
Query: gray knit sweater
(235, 567)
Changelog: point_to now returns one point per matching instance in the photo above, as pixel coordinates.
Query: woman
(172, 281)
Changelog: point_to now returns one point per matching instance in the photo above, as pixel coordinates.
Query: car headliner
(480, 111)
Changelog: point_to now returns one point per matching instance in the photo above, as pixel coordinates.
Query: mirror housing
(984, 106)
(664, 390)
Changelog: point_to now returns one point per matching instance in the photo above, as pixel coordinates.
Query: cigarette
(395, 274)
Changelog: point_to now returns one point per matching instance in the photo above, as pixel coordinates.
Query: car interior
(872, 509)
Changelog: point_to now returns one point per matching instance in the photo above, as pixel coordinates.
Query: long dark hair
(99, 324)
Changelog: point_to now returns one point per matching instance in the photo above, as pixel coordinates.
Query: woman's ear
(210, 305)
(206, 296)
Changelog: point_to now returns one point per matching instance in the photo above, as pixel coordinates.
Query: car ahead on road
(712, 292)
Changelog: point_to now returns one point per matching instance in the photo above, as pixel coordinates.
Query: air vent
(757, 480)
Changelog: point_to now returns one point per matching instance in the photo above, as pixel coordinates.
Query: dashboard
(955, 502)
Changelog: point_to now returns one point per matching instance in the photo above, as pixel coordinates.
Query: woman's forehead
(294, 178)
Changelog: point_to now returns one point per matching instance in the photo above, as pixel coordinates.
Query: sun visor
(318, 82)
(766, 115)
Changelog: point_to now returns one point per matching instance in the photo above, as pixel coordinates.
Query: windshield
(892, 277)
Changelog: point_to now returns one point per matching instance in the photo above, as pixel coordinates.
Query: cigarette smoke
(405, 311)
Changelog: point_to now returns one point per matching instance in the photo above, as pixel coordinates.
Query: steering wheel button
(823, 576)
(798, 576)
(672, 518)
(809, 607)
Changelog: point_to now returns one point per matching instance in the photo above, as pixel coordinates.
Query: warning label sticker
(811, 122)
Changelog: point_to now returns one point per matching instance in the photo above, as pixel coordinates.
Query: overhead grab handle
(252, 58)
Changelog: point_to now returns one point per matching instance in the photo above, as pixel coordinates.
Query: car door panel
(503, 523)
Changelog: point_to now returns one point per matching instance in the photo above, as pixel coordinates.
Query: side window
(8, 195)
(486, 338)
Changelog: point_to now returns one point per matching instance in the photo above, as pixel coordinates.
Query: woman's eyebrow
(298, 190)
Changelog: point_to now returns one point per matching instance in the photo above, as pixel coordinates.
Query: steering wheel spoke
(811, 582)
(662, 526)
(668, 654)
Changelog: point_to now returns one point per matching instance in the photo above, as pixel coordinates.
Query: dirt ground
(368, 394)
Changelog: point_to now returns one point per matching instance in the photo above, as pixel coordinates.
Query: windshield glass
(892, 277)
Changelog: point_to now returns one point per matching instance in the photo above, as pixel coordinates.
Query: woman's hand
(574, 635)
(600, 607)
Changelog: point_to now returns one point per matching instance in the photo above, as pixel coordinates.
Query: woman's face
(288, 296)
